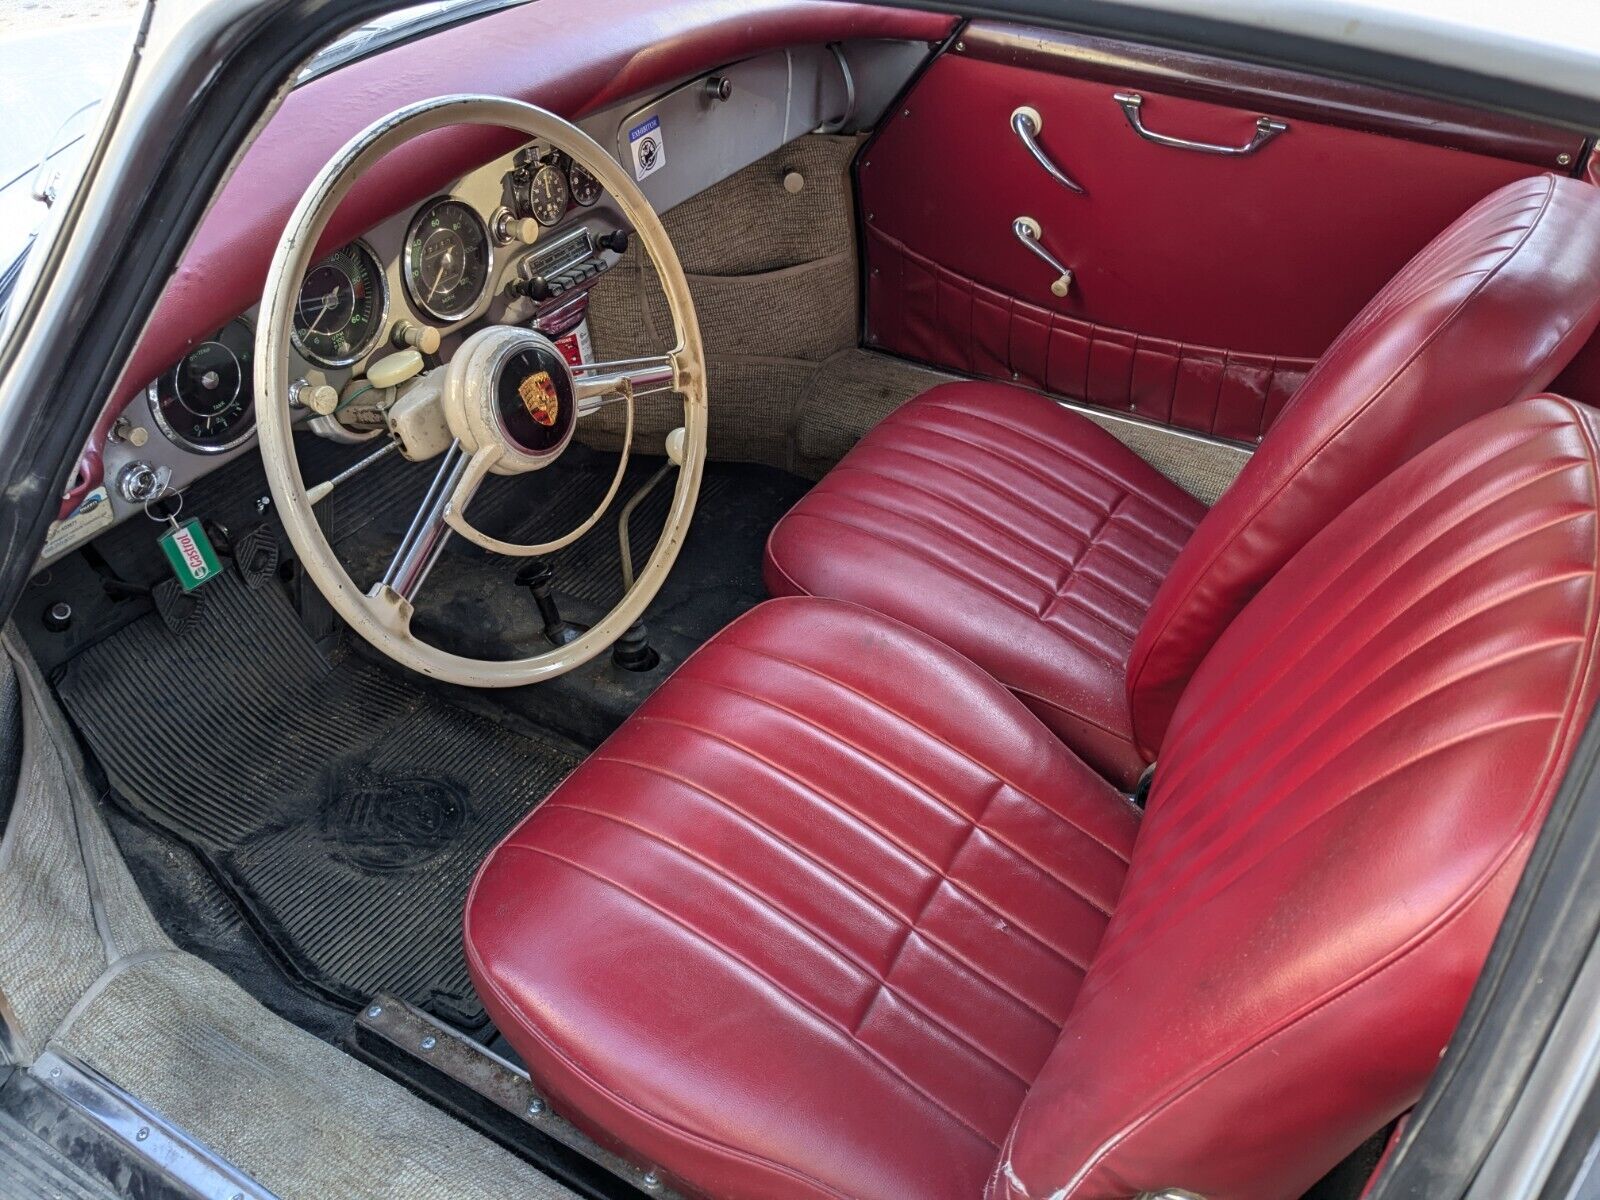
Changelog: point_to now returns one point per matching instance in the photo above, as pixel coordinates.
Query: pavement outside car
(55, 56)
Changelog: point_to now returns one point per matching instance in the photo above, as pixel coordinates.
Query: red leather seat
(1024, 536)
(834, 915)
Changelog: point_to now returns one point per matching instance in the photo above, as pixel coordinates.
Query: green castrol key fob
(189, 553)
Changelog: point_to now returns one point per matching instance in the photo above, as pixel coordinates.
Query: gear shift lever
(538, 576)
(633, 651)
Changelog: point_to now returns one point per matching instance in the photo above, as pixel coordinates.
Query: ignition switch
(140, 481)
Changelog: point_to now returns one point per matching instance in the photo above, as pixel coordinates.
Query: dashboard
(456, 259)
(517, 240)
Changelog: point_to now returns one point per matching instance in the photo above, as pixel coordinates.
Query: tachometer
(205, 403)
(447, 259)
(338, 316)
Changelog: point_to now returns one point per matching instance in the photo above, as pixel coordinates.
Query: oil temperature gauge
(585, 187)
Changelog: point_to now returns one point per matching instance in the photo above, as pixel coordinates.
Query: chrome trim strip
(1133, 102)
(1155, 427)
(501, 1083)
(145, 1132)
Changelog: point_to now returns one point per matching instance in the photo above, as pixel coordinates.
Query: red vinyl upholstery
(1488, 313)
(1351, 785)
(807, 924)
(1010, 528)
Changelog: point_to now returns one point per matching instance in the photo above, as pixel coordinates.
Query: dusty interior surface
(88, 971)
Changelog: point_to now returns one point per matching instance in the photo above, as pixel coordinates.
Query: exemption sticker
(649, 147)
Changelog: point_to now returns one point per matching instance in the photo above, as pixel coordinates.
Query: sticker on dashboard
(91, 516)
(649, 145)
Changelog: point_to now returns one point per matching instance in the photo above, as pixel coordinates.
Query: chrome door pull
(1266, 130)
(1027, 123)
(1029, 233)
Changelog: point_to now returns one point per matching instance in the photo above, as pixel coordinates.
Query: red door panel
(1203, 286)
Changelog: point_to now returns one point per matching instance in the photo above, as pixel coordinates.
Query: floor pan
(342, 806)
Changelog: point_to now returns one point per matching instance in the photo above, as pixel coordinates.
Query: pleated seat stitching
(911, 784)
(799, 1002)
(971, 968)
(871, 975)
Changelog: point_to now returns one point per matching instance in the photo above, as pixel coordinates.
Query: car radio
(572, 262)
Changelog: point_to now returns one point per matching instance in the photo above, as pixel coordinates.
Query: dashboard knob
(534, 289)
(508, 228)
(718, 88)
(616, 241)
(58, 617)
(320, 398)
(416, 337)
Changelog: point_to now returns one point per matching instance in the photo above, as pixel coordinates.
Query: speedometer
(338, 316)
(447, 259)
(205, 402)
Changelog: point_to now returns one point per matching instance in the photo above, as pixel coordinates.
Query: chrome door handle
(1029, 233)
(1266, 130)
(1027, 123)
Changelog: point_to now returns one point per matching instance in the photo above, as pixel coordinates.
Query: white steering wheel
(507, 403)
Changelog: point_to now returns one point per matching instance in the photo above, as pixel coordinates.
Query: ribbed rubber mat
(32, 1167)
(342, 806)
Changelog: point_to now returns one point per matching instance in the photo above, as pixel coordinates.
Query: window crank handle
(1030, 234)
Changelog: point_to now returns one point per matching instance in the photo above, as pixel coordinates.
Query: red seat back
(1343, 804)
(1488, 313)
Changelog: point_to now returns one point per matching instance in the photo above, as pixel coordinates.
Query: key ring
(172, 517)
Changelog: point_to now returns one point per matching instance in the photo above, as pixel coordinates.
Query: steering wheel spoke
(428, 532)
(599, 384)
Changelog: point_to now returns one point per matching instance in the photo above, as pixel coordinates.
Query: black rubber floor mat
(342, 806)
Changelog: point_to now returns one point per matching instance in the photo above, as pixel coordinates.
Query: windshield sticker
(649, 146)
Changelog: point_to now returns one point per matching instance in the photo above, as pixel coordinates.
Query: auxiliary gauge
(205, 403)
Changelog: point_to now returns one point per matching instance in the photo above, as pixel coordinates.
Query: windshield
(60, 58)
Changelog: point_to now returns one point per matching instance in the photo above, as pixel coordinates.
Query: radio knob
(534, 289)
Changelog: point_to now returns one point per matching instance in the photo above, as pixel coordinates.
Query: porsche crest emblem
(538, 392)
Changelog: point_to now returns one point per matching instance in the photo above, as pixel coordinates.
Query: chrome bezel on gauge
(378, 326)
(417, 302)
(152, 399)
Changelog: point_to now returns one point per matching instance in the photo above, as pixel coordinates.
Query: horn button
(510, 388)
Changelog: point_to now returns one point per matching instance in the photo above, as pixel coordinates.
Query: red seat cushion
(1010, 528)
(1039, 546)
(808, 924)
